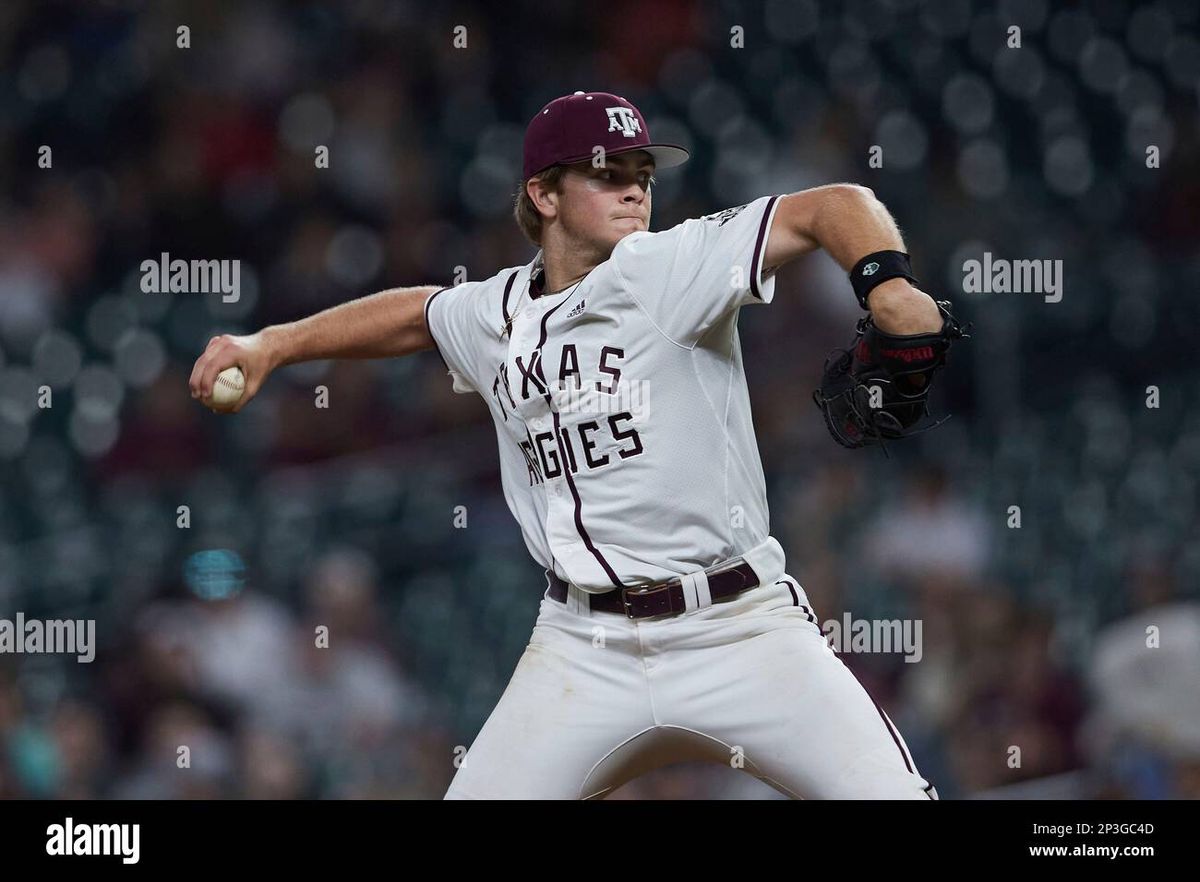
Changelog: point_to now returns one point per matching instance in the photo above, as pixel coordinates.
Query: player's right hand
(252, 353)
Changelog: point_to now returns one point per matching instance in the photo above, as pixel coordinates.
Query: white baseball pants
(598, 699)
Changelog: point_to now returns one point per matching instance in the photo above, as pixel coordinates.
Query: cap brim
(665, 155)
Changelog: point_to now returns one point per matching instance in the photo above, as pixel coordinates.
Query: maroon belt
(662, 598)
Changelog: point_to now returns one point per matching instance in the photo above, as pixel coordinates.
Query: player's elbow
(837, 204)
(860, 191)
(852, 194)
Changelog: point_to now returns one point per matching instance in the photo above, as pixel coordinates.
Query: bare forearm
(384, 325)
(850, 224)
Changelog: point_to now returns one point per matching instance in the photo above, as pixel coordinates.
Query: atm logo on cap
(622, 119)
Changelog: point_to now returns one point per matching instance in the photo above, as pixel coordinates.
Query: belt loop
(578, 601)
(695, 591)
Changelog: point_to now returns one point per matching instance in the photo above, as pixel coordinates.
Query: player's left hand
(877, 390)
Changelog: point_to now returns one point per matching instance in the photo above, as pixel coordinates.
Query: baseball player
(669, 629)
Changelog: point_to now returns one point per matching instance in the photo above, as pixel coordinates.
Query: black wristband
(877, 268)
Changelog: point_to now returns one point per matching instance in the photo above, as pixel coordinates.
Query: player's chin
(626, 225)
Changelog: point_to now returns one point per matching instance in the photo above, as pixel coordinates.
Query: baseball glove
(877, 390)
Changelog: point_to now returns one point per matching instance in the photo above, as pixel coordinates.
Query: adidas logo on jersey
(577, 309)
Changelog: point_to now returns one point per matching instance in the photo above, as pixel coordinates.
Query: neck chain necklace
(507, 329)
(575, 285)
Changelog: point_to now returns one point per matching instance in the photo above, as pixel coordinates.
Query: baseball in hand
(228, 387)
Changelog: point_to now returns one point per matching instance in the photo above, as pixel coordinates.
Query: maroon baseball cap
(570, 128)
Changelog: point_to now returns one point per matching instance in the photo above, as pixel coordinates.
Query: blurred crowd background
(1034, 636)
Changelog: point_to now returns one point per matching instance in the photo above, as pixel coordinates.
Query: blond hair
(525, 212)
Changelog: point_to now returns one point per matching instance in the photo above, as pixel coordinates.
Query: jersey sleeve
(689, 277)
(451, 315)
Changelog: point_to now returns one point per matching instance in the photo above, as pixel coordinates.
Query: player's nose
(634, 193)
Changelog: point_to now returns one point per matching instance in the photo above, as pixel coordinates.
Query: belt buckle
(625, 592)
(645, 589)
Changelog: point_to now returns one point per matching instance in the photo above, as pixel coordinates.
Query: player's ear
(543, 197)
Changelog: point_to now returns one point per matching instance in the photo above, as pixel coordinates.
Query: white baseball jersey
(627, 448)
